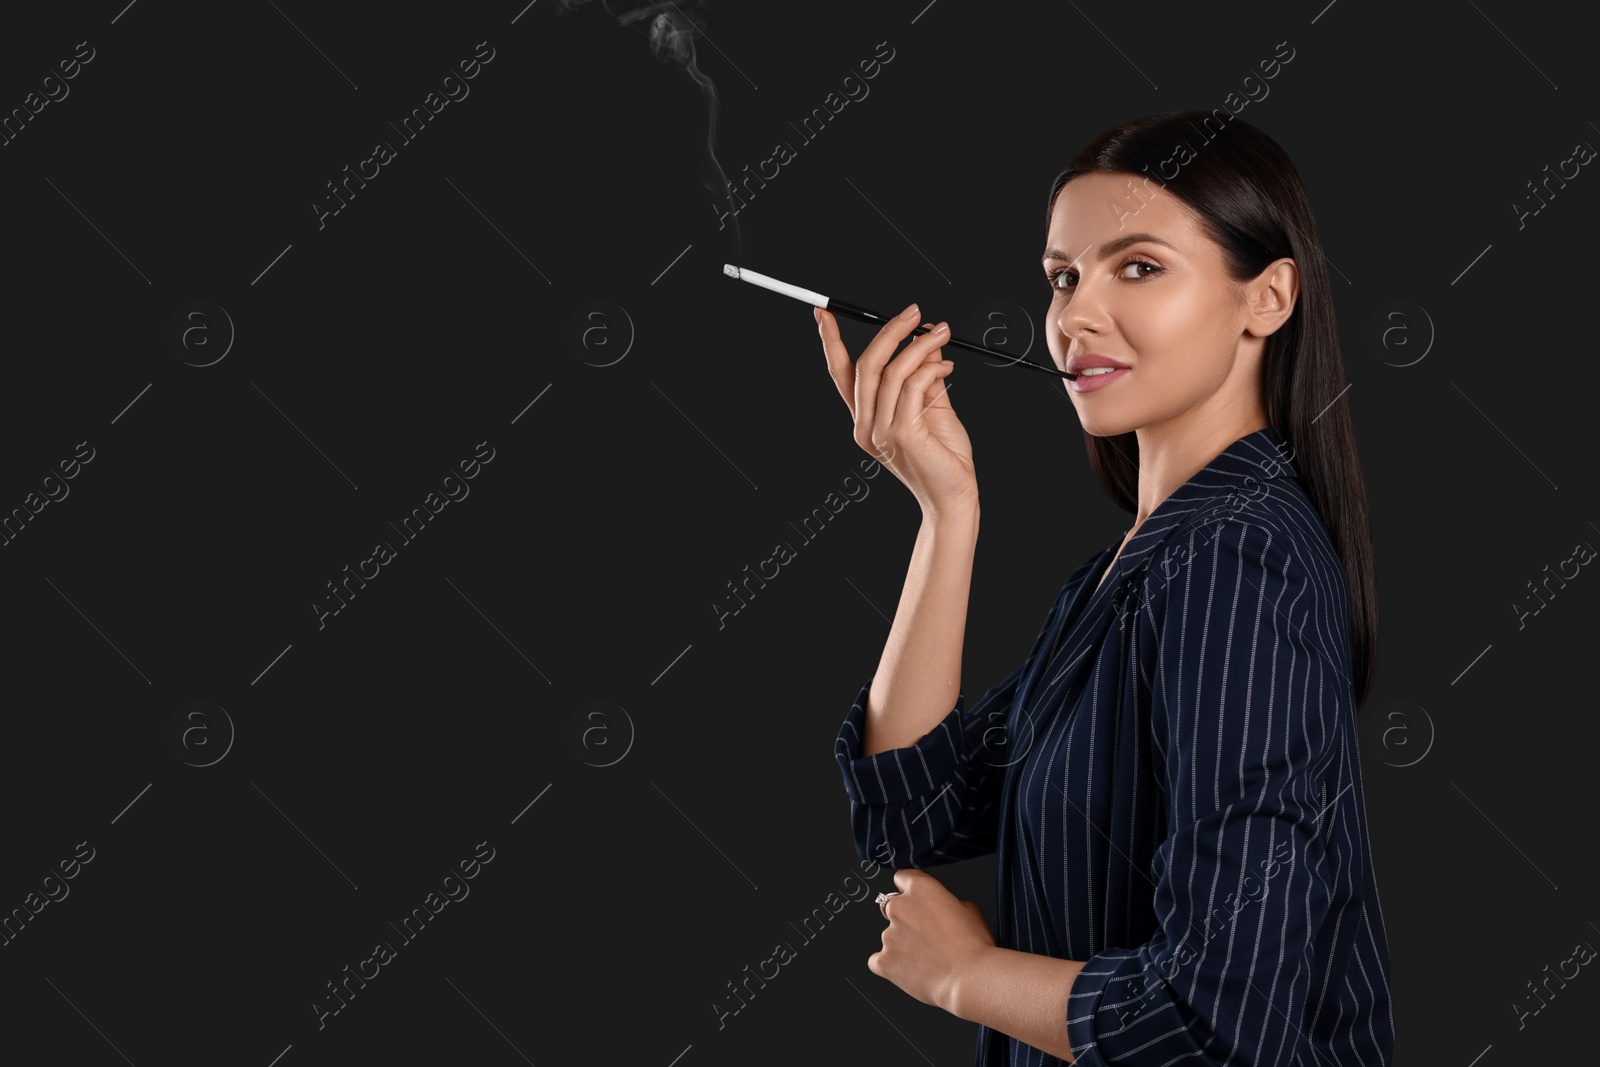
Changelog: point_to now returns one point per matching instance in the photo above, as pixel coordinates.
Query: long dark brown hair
(1250, 201)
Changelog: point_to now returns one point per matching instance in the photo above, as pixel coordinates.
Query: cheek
(1175, 326)
(1165, 319)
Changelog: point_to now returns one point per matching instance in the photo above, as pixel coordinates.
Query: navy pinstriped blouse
(1171, 785)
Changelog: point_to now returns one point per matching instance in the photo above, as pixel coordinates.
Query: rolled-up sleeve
(1249, 690)
(937, 800)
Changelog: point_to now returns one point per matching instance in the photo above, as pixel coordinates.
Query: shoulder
(1244, 609)
(1262, 536)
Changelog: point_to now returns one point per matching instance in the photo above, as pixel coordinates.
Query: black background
(373, 753)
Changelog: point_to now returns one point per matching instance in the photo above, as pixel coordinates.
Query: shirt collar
(1242, 473)
(1236, 479)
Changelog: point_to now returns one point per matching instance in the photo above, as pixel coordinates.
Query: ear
(1270, 297)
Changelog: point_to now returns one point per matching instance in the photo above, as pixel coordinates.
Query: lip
(1091, 359)
(1088, 383)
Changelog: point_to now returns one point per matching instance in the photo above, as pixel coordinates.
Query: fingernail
(909, 313)
(943, 327)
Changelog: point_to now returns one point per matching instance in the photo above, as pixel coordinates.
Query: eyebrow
(1111, 248)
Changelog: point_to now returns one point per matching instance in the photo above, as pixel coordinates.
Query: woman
(1170, 780)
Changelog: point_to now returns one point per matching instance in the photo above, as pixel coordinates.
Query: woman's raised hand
(902, 414)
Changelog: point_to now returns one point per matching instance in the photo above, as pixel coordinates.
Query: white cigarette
(744, 274)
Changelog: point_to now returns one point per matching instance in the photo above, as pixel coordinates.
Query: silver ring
(883, 898)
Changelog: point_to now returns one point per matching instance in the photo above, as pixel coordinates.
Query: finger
(926, 348)
(916, 355)
(881, 348)
(905, 879)
(873, 965)
(869, 368)
(918, 388)
(840, 368)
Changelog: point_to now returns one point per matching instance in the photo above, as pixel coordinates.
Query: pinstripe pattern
(1172, 792)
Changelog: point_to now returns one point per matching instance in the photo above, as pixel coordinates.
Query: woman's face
(1161, 305)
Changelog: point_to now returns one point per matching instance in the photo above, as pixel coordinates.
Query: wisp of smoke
(672, 34)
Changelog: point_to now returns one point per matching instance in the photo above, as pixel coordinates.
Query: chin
(1101, 431)
(1100, 428)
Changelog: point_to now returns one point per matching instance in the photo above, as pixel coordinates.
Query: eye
(1056, 278)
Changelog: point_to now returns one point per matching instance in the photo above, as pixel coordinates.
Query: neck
(1170, 453)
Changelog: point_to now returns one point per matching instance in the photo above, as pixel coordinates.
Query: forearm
(1022, 994)
(919, 674)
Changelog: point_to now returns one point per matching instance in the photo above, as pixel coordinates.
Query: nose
(1082, 319)
(1083, 314)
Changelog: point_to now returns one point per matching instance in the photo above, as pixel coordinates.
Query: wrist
(959, 517)
(964, 982)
